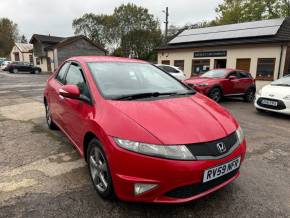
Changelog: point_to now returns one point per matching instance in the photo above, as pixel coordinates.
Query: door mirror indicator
(70, 91)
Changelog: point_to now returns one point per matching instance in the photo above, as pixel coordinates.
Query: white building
(22, 52)
(261, 48)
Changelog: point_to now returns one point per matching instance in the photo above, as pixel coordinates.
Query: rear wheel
(15, 70)
(215, 94)
(48, 117)
(99, 170)
(250, 95)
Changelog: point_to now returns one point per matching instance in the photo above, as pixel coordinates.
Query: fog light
(140, 188)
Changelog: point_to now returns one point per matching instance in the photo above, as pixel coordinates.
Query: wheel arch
(89, 136)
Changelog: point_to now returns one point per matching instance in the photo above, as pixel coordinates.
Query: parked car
(219, 83)
(174, 71)
(15, 67)
(2, 60)
(145, 135)
(5, 64)
(275, 97)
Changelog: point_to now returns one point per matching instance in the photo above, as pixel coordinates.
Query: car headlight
(240, 135)
(176, 152)
(287, 97)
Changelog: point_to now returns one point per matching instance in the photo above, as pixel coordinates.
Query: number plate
(221, 170)
(272, 103)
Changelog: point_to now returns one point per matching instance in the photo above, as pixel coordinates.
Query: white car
(275, 97)
(174, 71)
(5, 64)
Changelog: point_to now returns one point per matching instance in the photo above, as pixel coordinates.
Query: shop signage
(205, 54)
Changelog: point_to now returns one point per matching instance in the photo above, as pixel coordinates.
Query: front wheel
(48, 117)
(15, 70)
(215, 94)
(99, 170)
(250, 95)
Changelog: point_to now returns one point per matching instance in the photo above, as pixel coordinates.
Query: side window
(74, 76)
(244, 75)
(61, 73)
(233, 74)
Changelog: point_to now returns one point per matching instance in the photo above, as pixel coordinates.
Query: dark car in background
(16, 67)
(219, 83)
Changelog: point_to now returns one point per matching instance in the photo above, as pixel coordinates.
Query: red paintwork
(229, 87)
(168, 121)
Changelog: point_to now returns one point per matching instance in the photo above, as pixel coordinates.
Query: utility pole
(166, 23)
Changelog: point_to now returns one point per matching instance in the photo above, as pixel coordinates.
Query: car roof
(230, 69)
(105, 59)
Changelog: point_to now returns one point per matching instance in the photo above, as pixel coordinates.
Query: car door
(55, 100)
(232, 85)
(245, 81)
(76, 111)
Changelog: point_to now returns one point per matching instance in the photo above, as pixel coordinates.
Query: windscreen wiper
(151, 95)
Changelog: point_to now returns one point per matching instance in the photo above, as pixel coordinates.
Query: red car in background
(218, 83)
(145, 135)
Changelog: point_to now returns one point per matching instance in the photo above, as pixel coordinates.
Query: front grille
(195, 189)
(280, 106)
(207, 149)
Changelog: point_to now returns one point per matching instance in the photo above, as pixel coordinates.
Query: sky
(55, 17)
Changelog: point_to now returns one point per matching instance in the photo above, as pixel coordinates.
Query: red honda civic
(145, 135)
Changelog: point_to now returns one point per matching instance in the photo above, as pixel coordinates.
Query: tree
(8, 35)
(237, 11)
(130, 31)
(23, 39)
(98, 28)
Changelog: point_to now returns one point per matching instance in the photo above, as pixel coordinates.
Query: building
(22, 52)
(260, 47)
(50, 51)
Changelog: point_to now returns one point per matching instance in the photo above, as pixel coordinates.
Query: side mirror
(70, 91)
(232, 77)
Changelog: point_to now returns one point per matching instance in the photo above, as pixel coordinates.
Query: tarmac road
(42, 175)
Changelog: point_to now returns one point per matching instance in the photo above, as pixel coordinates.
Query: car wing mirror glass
(70, 91)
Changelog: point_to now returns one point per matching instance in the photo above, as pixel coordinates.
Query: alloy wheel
(215, 94)
(98, 169)
(48, 115)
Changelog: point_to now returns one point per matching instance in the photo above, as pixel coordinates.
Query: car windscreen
(215, 73)
(285, 81)
(117, 79)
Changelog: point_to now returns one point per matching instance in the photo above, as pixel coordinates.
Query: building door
(244, 64)
(220, 63)
(200, 66)
(48, 60)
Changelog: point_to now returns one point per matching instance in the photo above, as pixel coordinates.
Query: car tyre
(99, 170)
(51, 125)
(15, 70)
(215, 94)
(250, 95)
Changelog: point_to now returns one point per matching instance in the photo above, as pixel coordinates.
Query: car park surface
(41, 174)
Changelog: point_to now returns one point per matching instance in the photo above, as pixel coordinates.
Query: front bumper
(286, 110)
(128, 168)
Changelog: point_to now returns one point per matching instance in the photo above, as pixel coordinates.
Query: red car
(145, 135)
(218, 83)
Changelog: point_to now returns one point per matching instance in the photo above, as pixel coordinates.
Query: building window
(31, 59)
(265, 68)
(37, 61)
(200, 66)
(179, 64)
(166, 62)
(16, 56)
